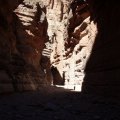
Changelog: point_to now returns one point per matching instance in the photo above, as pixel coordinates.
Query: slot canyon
(59, 60)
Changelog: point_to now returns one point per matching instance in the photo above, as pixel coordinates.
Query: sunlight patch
(76, 88)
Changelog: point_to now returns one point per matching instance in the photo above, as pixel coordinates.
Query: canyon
(59, 42)
(59, 60)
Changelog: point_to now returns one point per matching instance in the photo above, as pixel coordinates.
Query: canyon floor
(52, 103)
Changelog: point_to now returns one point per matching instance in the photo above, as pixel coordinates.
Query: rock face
(29, 58)
(71, 36)
(85, 50)
(102, 69)
(23, 32)
(65, 42)
(58, 16)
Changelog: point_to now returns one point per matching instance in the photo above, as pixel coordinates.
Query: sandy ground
(52, 103)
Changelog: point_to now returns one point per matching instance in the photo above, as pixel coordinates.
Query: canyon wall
(23, 32)
(44, 42)
(71, 43)
(102, 69)
(71, 36)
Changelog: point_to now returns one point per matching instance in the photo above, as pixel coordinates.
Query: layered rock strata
(72, 35)
(29, 57)
(23, 32)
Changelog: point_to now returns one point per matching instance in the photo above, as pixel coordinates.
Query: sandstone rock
(23, 32)
(72, 38)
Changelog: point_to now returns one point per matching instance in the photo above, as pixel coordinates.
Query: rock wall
(85, 50)
(23, 32)
(81, 36)
(71, 43)
(57, 16)
(71, 36)
(102, 69)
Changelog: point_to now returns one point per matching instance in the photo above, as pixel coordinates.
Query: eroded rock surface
(29, 58)
(102, 69)
(23, 32)
(72, 35)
